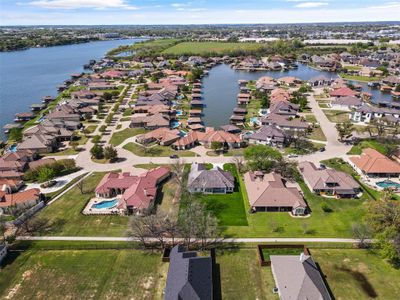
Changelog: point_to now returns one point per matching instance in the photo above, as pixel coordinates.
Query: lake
(26, 76)
(220, 89)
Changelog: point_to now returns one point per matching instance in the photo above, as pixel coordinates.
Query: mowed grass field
(355, 274)
(83, 274)
(203, 48)
(228, 208)
(138, 274)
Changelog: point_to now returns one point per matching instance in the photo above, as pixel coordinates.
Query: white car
(292, 155)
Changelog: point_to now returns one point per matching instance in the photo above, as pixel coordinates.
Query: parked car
(48, 184)
(322, 149)
(292, 155)
(173, 156)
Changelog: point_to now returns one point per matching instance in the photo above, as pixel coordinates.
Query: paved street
(224, 240)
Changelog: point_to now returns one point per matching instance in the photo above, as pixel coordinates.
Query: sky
(119, 12)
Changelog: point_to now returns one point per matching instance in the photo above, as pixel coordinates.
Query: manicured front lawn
(82, 274)
(358, 274)
(242, 277)
(66, 218)
(203, 48)
(336, 116)
(119, 136)
(337, 223)
(228, 208)
(155, 151)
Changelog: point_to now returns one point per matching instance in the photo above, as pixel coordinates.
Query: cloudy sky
(92, 12)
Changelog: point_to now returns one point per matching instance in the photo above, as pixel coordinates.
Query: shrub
(326, 208)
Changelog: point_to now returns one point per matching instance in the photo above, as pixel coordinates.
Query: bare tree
(361, 233)
(81, 186)
(238, 160)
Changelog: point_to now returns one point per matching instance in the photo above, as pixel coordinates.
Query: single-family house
(329, 181)
(189, 276)
(268, 135)
(270, 192)
(374, 164)
(214, 181)
(298, 277)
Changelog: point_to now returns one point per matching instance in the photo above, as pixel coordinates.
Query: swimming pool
(182, 133)
(105, 204)
(13, 148)
(175, 124)
(179, 113)
(388, 184)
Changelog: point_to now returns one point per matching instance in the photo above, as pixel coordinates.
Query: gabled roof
(268, 132)
(189, 276)
(317, 178)
(373, 162)
(199, 177)
(268, 190)
(298, 277)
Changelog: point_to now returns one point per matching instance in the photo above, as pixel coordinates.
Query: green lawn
(83, 274)
(204, 48)
(66, 217)
(68, 151)
(374, 144)
(317, 134)
(228, 208)
(320, 224)
(119, 136)
(242, 277)
(91, 128)
(336, 116)
(156, 151)
(359, 78)
(358, 274)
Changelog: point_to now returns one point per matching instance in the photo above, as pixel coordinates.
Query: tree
(81, 186)
(361, 232)
(3, 227)
(15, 134)
(379, 125)
(260, 157)
(344, 129)
(383, 217)
(45, 174)
(74, 145)
(97, 151)
(216, 146)
(110, 153)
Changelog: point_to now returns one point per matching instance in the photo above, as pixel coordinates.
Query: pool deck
(89, 210)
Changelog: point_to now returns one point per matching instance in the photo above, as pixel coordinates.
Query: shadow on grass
(361, 280)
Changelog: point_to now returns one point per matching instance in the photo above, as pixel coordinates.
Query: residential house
(298, 277)
(374, 164)
(189, 276)
(268, 135)
(229, 140)
(270, 192)
(343, 92)
(214, 181)
(285, 123)
(24, 199)
(319, 81)
(135, 194)
(150, 121)
(329, 181)
(346, 103)
(162, 136)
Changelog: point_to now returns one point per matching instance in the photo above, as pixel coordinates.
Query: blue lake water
(220, 89)
(26, 76)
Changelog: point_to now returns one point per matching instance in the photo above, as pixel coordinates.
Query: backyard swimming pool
(179, 113)
(105, 204)
(388, 184)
